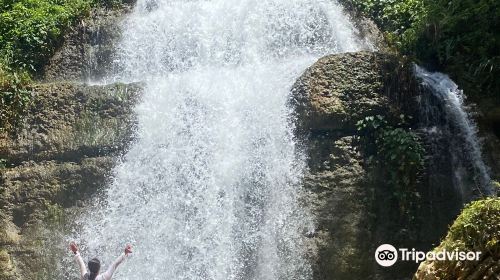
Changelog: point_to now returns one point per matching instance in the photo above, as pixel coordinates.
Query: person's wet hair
(94, 267)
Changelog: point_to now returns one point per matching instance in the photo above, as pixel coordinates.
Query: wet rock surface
(367, 28)
(88, 48)
(339, 90)
(63, 153)
(350, 198)
(69, 119)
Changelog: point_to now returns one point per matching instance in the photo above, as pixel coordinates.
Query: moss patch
(339, 90)
(476, 229)
(6, 267)
(66, 120)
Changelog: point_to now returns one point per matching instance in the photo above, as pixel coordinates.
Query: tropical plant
(459, 37)
(397, 151)
(15, 96)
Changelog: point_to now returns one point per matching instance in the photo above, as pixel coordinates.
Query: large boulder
(339, 90)
(346, 194)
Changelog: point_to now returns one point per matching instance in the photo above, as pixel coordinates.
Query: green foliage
(400, 19)
(464, 36)
(477, 228)
(401, 150)
(15, 96)
(30, 30)
(369, 129)
(461, 37)
(54, 213)
(398, 151)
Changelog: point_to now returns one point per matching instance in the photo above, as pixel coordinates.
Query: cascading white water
(210, 188)
(465, 149)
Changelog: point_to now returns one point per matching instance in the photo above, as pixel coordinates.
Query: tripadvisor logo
(387, 255)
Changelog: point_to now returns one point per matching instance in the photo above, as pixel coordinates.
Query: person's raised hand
(128, 249)
(73, 247)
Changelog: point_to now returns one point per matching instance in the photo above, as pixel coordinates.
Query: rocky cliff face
(61, 155)
(352, 200)
(71, 138)
(89, 47)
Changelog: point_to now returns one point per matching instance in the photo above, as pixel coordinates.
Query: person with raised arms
(95, 265)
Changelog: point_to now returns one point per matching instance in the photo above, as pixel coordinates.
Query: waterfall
(210, 189)
(448, 118)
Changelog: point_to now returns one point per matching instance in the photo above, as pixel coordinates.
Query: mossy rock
(8, 232)
(89, 47)
(7, 271)
(32, 190)
(477, 229)
(341, 89)
(355, 208)
(61, 155)
(67, 120)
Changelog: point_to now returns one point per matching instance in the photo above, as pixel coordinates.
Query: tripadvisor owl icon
(386, 255)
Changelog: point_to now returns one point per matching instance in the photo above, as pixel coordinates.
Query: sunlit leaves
(31, 29)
